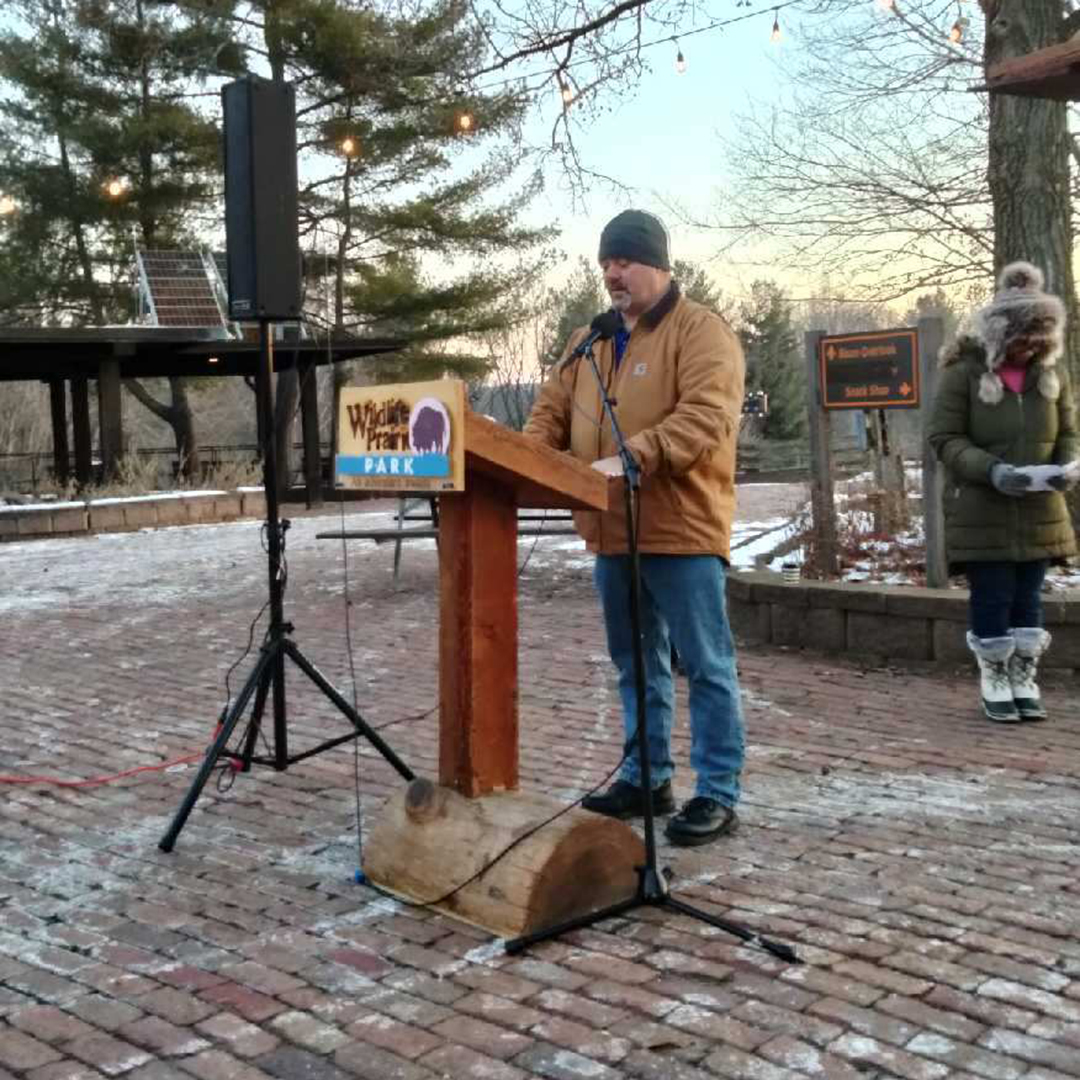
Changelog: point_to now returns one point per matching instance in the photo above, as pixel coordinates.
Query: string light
(775, 35)
(680, 62)
(886, 5)
(565, 92)
(464, 122)
(115, 187)
(7, 205)
(349, 146)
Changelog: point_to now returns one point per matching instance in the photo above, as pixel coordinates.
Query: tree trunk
(1028, 159)
(183, 425)
(178, 416)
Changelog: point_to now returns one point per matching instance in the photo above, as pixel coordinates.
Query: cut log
(429, 840)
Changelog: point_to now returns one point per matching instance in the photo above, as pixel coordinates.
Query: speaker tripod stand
(267, 677)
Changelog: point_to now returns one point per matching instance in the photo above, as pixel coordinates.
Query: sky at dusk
(663, 140)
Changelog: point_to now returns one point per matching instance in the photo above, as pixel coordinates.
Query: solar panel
(179, 288)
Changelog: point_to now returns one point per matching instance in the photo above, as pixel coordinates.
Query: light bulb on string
(775, 35)
(680, 62)
(8, 206)
(565, 92)
(886, 5)
(464, 122)
(115, 187)
(956, 34)
(349, 146)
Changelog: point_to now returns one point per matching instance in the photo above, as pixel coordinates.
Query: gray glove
(1009, 480)
(1064, 481)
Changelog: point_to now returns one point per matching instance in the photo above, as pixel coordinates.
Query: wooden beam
(80, 426)
(537, 475)
(478, 717)
(58, 407)
(1053, 72)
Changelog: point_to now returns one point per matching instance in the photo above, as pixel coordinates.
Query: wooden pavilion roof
(149, 351)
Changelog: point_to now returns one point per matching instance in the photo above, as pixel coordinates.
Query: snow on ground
(126, 562)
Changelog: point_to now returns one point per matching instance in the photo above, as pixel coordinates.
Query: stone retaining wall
(893, 623)
(119, 515)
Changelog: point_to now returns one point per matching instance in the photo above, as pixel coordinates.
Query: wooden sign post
(825, 555)
(931, 336)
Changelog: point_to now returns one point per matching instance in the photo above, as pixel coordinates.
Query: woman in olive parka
(1003, 404)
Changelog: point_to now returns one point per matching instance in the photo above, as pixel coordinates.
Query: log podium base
(430, 839)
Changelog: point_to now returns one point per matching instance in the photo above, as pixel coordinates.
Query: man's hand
(609, 466)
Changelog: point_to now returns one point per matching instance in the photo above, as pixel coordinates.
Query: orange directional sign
(878, 370)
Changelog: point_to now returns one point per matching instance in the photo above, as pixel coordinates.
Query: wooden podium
(430, 839)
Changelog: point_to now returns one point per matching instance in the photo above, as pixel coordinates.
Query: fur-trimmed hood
(1019, 309)
(991, 389)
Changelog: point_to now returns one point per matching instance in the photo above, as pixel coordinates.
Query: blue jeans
(681, 596)
(1005, 595)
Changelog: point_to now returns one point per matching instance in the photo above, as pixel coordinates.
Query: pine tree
(696, 285)
(934, 305)
(410, 211)
(773, 360)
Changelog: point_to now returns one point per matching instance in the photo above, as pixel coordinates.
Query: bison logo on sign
(429, 427)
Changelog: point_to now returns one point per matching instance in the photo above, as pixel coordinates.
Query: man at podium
(674, 371)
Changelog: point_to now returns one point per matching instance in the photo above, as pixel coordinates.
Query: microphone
(600, 329)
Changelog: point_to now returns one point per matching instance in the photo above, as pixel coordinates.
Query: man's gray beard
(621, 301)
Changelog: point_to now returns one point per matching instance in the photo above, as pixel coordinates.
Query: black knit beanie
(637, 236)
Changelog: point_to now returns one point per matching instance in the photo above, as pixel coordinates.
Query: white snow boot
(1031, 642)
(993, 655)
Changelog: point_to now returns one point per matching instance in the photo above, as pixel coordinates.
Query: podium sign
(403, 437)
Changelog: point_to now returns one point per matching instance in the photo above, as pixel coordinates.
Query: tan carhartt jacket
(678, 394)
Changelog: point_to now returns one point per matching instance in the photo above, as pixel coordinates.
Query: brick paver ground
(923, 862)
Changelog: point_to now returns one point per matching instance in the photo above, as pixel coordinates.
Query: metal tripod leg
(358, 722)
(252, 737)
(255, 681)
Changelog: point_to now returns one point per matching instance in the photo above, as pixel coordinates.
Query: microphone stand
(652, 886)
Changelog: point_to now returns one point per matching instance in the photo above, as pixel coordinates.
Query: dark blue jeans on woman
(1005, 595)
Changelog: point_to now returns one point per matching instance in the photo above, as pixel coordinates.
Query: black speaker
(261, 232)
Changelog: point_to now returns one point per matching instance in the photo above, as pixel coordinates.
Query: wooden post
(307, 373)
(826, 555)
(110, 416)
(890, 505)
(58, 405)
(478, 716)
(931, 335)
(80, 427)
